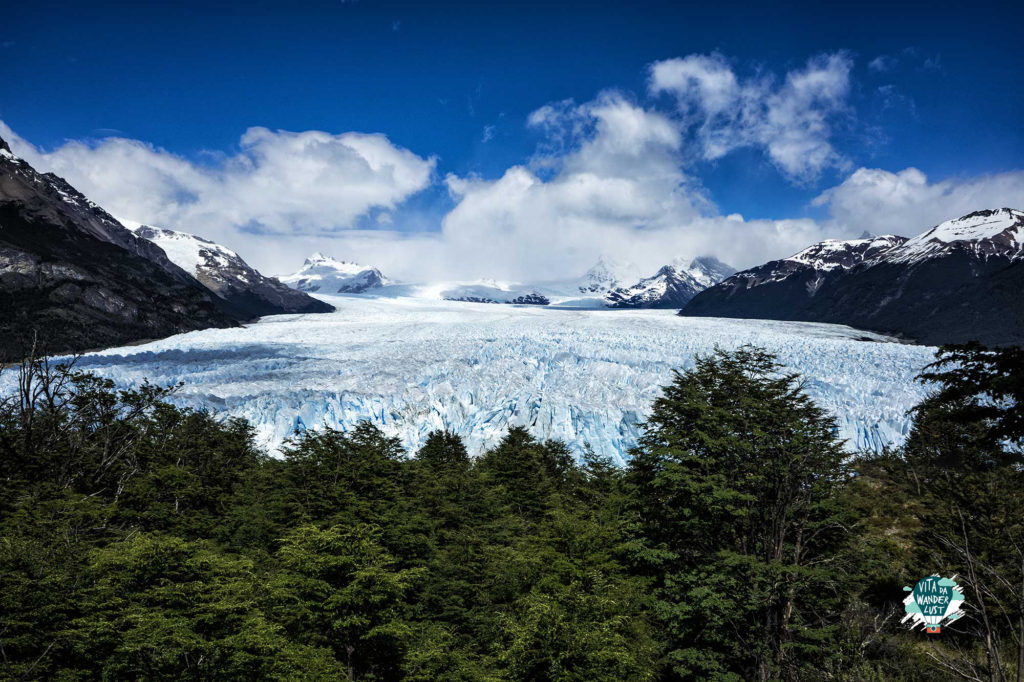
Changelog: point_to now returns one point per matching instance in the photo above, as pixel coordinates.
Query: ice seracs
(326, 275)
(412, 365)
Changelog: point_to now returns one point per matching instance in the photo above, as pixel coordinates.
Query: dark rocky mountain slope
(962, 280)
(245, 290)
(74, 278)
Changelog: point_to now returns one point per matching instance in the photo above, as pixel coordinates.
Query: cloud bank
(906, 203)
(609, 180)
(617, 175)
(279, 187)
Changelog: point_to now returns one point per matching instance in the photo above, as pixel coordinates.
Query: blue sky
(920, 86)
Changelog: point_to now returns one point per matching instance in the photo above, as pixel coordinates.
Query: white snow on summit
(604, 285)
(985, 233)
(187, 251)
(584, 376)
(999, 231)
(839, 253)
(606, 274)
(327, 275)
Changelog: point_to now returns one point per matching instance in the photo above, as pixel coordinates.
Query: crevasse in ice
(584, 376)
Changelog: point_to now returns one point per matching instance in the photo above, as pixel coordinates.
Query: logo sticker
(933, 601)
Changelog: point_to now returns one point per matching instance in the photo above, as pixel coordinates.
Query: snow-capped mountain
(845, 254)
(668, 288)
(708, 270)
(672, 286)
(982, 234)
(958, 281)
(609, 283)
(224, 272)
(328, 275)
(21, 182)
(814, 265)
(76, 278)
(606, 275)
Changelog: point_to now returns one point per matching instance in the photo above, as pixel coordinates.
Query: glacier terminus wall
(584, 376)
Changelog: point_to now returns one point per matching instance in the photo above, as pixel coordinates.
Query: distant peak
(610, 263)
(321, 258)
(990, 212)
(866, 235)
(4, 146)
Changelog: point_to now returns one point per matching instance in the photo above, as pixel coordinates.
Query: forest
(144, 541)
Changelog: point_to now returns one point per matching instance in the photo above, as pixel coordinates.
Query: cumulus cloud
(792, 121)
(608, 180)
(883, 202)
(278, 183)
(611, 176)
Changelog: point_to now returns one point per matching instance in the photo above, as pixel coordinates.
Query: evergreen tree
(338, 588)
(735, 479)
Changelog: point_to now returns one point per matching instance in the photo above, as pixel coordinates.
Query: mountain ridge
(73, 278)
(956, 282)
(226, 274)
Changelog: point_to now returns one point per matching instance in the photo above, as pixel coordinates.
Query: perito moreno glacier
(583, 376)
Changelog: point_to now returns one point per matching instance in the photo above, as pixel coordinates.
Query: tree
(962, 463)
(588, 629)
(981, 386)
(163, 608)
(735, 479)
(338, 588)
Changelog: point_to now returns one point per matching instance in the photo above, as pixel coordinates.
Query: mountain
(708, 270)
(609, 283)
(606, 275)
(73, 275)
(492, 293)
(331, 276)
(672, 286)
(959, 281)
(223, 271)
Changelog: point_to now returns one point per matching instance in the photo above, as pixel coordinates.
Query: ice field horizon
(583, 376)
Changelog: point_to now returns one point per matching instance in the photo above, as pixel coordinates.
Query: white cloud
(611, 176)
(792, 121)
(883, 63)
(279, 183)
(608, 180)
(615, 187)
(906, 203)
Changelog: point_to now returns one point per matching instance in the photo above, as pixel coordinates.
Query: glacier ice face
(584, 376)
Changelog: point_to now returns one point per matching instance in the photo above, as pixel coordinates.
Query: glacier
(587, 377)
